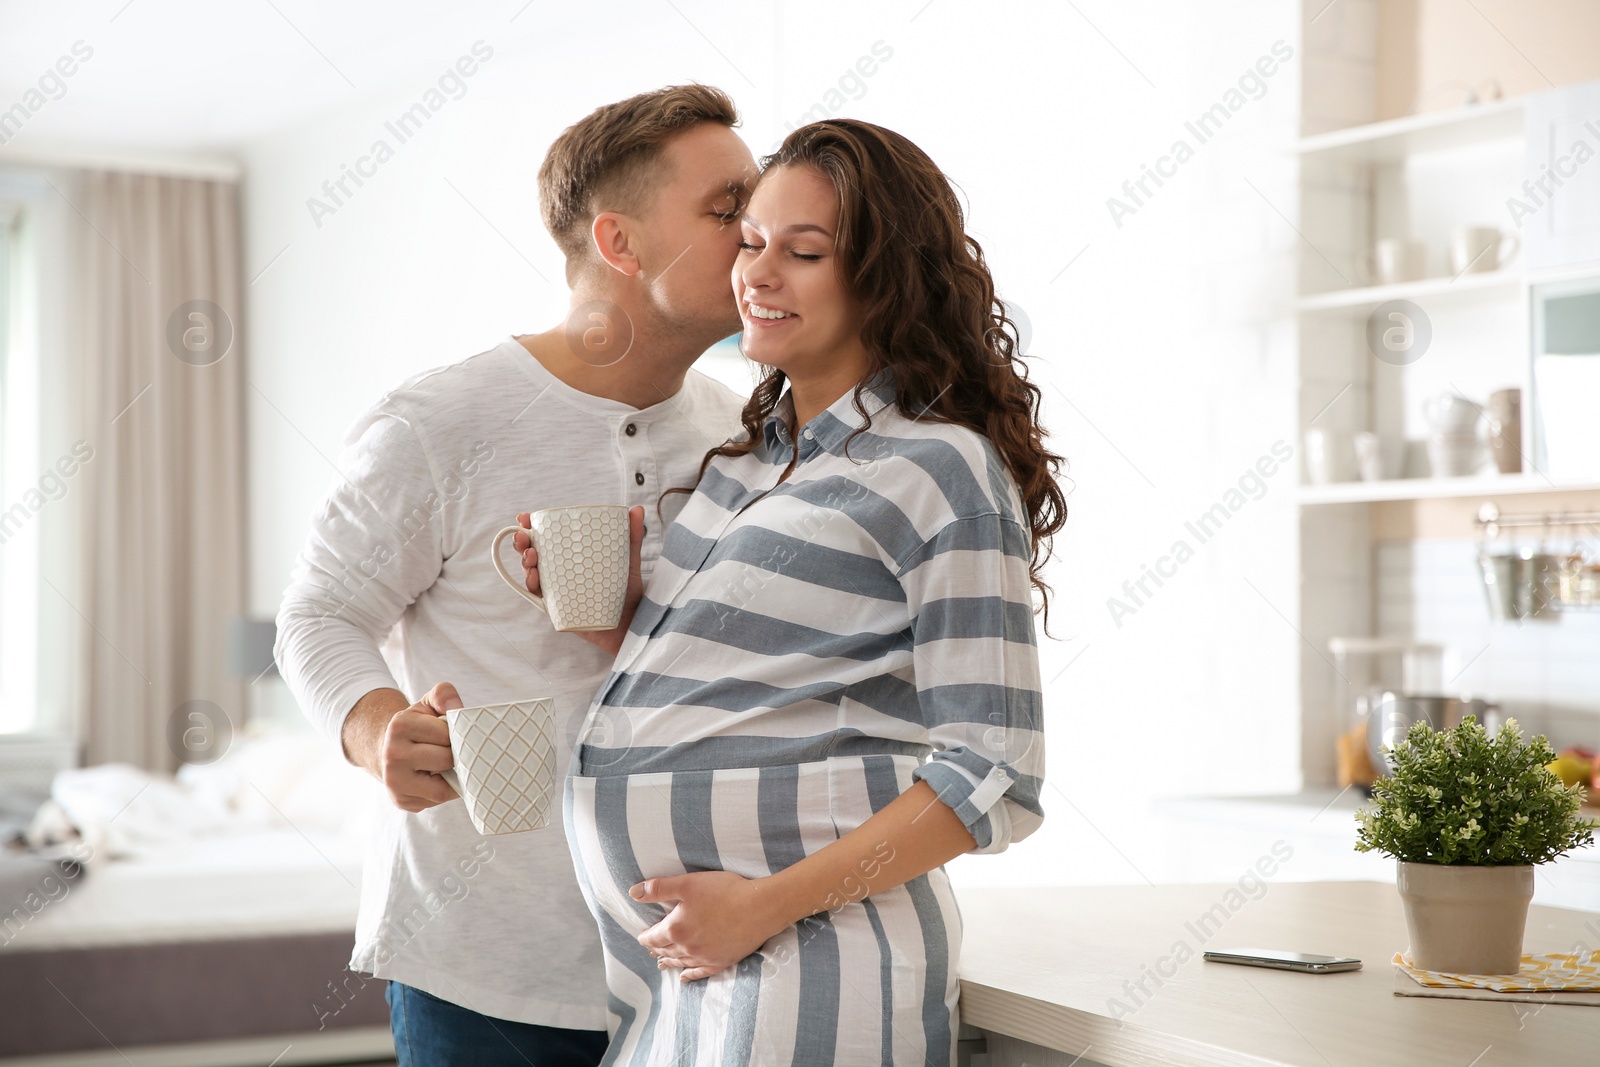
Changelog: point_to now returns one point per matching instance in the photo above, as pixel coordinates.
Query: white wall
(1165, 348)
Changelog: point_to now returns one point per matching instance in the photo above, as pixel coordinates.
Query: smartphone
(1304, 962)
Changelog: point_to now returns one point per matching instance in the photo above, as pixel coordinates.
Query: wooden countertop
(1061, 967)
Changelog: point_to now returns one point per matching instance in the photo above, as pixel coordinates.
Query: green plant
(1463, 798)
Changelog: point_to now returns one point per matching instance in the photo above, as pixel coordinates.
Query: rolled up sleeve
(976, 662)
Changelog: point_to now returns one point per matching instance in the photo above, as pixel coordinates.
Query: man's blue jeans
(429, 1032)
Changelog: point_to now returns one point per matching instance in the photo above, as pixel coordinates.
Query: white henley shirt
(395, 589)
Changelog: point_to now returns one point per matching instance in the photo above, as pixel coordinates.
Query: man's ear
(613, 242)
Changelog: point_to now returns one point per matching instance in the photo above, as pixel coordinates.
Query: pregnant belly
(751, 821)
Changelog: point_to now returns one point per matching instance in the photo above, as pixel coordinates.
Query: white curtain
(163, 531)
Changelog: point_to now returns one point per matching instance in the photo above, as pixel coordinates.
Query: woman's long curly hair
(929, 312)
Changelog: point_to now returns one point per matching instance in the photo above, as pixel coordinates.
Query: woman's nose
(758, 273)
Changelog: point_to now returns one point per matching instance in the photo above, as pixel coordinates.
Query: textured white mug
(583, 565)
(505, 763)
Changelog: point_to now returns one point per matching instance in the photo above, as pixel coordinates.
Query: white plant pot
(1465, 920)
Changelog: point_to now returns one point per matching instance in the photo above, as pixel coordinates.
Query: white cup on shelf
(1398, 259)
(1378, 457)
(1326, 453)
(1476, 249)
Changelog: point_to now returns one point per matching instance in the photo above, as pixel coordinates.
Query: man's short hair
(606, 160)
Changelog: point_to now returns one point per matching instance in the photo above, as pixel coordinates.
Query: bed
(209, 923)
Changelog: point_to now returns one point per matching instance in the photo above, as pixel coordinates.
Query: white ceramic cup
(505, 763)
(1399, 259)
(1475, 249)
(583, 565)
(1377, 457)
(1326, 451)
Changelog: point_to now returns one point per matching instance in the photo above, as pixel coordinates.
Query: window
(21, 497)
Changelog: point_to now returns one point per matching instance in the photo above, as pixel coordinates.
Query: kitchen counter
(1113, 975)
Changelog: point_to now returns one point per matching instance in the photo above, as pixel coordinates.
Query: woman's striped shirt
(874, 602)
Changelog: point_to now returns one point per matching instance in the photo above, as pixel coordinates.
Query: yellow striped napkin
(1546, 972)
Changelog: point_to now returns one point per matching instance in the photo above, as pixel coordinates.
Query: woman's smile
(765, 316)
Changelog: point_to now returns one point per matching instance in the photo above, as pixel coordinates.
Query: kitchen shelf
(1356, 301)
(1396, 139)
(1440, 488)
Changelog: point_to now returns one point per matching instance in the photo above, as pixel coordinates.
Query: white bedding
(253, 884)
(266, 841)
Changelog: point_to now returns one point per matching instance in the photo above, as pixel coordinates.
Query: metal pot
(1393, 714)
(1520, 585)
(1538, 584)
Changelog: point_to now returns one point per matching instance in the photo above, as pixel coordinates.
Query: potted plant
(1468, 816)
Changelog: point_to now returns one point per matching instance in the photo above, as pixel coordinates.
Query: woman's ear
(613, 242)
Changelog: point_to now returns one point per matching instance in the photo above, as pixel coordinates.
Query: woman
(848, 591)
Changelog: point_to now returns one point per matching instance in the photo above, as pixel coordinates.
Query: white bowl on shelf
(1452, 415)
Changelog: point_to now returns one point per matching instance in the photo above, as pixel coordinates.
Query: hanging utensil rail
(1489, 519)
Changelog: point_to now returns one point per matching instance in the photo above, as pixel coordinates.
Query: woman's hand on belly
(717, 920)
(720, 917)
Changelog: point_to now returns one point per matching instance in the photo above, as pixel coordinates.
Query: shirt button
(638, 478)
(806, 435)
(631, 430)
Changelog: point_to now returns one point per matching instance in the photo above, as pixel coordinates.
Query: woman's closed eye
(809, 257)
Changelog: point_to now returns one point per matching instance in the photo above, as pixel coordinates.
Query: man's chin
(724, 329)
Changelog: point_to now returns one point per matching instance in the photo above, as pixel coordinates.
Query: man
(491, 955)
